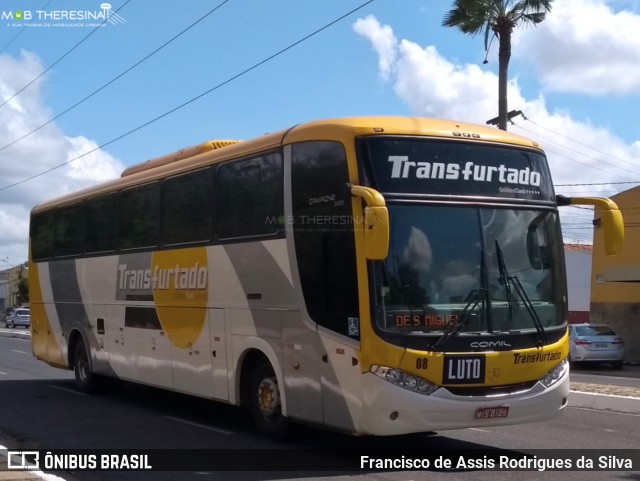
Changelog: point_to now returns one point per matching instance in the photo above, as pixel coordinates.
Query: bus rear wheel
(85, 379)
(265, 403)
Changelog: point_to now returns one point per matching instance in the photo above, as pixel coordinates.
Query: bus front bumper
(391, 410)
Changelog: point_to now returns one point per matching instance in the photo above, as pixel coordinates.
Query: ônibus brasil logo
(63, 18)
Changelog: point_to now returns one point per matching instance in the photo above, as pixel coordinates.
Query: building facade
(9, 279)
(615, 280)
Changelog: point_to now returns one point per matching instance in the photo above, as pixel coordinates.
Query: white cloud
(418, 250)
(382, 40)
(584, 46)
(43, 150)
(579, 153)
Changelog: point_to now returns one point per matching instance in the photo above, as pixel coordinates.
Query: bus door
(323, 231)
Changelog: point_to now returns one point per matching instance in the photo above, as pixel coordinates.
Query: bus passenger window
(140, 216)
(100, 224)
(188, 208)
(69, 237)
(250, 197)
(42, 235)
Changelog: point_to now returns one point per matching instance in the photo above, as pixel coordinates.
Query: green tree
(23, 290)
(497, 18)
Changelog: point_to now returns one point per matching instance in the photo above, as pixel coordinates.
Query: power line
(60, 59)
(579, 143)
(578, 152)
(193, 99)
(115, 78)
(599, 183)
(20, 31)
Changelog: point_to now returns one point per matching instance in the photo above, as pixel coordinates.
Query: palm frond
(468, 16)
(534, 17)
(530, 11)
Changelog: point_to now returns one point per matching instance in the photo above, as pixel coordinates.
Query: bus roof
(216, 151)
(420, 126)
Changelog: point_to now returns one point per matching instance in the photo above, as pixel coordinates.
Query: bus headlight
(404, 380)
(555, 374)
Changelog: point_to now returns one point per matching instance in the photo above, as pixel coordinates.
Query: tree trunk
(503, 73)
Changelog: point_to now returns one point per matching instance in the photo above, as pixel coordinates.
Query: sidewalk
(605, 398)
(13, 475)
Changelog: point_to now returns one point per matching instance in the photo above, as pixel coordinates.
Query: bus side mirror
(610, 219)
(613, 230)
(376, 222)
(376, 232)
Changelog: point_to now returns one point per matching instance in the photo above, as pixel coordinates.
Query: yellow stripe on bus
(181, 293)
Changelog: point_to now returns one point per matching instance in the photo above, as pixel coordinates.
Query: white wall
(578, 279)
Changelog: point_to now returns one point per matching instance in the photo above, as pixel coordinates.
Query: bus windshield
(479, 270)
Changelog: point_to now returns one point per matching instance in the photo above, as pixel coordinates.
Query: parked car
(19, 317)
(595, 343)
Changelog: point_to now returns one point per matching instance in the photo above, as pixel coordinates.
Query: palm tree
(497, 18)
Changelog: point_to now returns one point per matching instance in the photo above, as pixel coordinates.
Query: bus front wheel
(265, 403)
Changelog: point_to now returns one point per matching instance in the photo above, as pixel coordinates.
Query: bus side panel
(218, 348)
(264, 273)
(341, 385)
(302, 365)
(119, 344)
(165, 342)
(96, 283)
(47, 342)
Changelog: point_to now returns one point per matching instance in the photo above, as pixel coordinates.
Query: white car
(595, 343)
(19, 317)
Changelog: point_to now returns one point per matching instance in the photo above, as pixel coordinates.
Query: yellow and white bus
(375, 275)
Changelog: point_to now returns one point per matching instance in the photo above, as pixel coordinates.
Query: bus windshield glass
(475, 243)
(469, 269)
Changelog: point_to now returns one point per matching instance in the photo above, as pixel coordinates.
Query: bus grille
(491, 390)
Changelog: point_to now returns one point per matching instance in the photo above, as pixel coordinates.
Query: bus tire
(265, 403)
(85, 379)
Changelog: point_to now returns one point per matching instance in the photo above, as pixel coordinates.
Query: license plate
(490, 413)
(601, 345)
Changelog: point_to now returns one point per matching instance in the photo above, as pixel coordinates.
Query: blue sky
(575, 77)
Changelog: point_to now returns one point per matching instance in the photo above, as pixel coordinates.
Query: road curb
(605, 402)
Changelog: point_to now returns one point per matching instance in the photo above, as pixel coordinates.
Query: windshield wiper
(506, 280)
(530, 309)
(474, 298)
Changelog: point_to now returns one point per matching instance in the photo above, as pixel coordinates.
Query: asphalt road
(42, 410)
